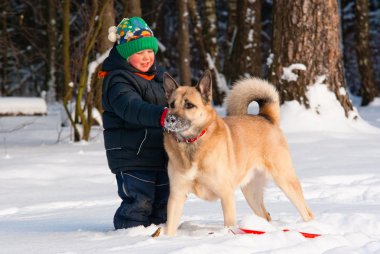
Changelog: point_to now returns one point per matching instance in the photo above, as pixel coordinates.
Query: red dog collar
(192, 140)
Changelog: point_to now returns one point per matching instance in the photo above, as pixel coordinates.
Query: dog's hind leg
(292, 189)
(285, 177)
(253, 192)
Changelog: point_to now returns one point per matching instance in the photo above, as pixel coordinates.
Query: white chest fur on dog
(199, 185)
(192, 172)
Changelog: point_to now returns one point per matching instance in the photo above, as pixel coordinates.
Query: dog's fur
(240, 150)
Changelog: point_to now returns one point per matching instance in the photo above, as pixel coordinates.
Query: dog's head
(190, 107)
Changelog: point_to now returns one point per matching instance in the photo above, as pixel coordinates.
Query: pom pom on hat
(112, 29)
(112, 36)
(132, 35)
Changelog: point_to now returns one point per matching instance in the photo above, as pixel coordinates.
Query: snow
(220, 79)
(325, 114)
(93, 65)
(22, 106)
(59, 197)
(270, 59)
(288, 73)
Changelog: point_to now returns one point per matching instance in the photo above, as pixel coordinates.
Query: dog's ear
(205, 86)
(170, 85)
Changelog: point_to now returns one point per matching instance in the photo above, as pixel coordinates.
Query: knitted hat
(132, 35)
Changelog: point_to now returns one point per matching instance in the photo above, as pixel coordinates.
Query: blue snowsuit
(133, 138)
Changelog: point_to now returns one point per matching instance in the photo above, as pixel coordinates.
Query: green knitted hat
(132, 35)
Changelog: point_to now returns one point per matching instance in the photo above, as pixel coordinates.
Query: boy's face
(142, 60)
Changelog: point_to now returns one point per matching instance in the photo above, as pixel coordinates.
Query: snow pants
(144, 197)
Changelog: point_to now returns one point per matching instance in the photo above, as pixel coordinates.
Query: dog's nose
(171, 119)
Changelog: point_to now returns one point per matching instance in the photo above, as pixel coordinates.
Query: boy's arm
(128, 104)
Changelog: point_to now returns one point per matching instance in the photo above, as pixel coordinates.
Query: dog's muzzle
(176, 124)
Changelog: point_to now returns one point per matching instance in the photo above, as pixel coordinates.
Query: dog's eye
(189, 105)
(172, 104)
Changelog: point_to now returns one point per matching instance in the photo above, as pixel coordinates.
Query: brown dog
(211, 157)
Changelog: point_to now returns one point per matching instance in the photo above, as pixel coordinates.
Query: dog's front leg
(229, 209)
(175, 206)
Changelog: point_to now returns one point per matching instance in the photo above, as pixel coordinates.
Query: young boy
(134, 110)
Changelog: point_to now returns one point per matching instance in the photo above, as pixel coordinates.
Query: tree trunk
(108, 21)
(198, 33)
(155, 18)
(206, 56)
(4, 51)
(92, 35)
(230, 38)
(307, 32)
(210, 25)
(132, 8)
(351, 72)
(103, 45)
(368, 89)
(184, 44)
(51, 51)
(66, 65)
(66, 51)
(246, 51)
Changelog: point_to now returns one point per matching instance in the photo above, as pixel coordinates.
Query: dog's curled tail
(247, 90)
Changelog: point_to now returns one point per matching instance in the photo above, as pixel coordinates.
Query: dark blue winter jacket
(132, 107)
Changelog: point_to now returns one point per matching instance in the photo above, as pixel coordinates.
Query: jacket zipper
(142, 142)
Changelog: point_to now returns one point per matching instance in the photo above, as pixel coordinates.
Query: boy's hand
(163, 117)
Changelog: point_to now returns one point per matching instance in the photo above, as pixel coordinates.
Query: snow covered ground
(60, 197)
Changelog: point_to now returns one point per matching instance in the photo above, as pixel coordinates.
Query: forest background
(54, 49)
